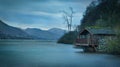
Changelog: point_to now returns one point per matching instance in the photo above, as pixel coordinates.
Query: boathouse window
(83, 36)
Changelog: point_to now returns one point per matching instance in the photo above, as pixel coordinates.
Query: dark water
(35, 53)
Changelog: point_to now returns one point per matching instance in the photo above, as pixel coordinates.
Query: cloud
(55, 15)
(40, 13)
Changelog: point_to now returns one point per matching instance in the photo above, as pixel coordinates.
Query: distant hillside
(52, 34)
(57, 31)
(9, 32)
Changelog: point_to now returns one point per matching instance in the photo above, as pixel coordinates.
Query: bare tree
(68, 17)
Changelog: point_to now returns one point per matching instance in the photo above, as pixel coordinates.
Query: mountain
(57, 31)
(51, 34)
(9, 32)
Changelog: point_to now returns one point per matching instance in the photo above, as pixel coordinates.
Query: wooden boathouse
(90, 38)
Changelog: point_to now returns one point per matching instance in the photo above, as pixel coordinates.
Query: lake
(37, 53)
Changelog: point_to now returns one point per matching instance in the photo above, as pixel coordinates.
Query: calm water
(35, 53)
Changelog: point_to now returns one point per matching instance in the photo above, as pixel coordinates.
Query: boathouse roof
(99, 31)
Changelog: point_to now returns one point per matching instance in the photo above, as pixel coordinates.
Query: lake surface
(36, 53)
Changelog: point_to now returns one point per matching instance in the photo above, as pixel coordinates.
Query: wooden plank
(78, 44)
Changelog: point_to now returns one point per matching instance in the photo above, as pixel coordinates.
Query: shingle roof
(100, 31)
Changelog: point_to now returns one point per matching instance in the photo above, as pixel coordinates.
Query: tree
(68, 18)
(68, 38)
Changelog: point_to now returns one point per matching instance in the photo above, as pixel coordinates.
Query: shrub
(68, 38)
(113, 46)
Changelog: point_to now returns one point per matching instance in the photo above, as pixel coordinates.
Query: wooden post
(88, 39)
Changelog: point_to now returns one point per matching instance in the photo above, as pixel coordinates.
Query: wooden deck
(88, 45)
(78, 44)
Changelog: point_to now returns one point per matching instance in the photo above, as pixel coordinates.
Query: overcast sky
(43, 14)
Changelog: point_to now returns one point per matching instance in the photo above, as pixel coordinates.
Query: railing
(85, 41)
(82, 41)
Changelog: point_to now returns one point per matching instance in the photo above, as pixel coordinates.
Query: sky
(42, 14)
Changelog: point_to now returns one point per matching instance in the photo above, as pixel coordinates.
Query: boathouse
(92, 38)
